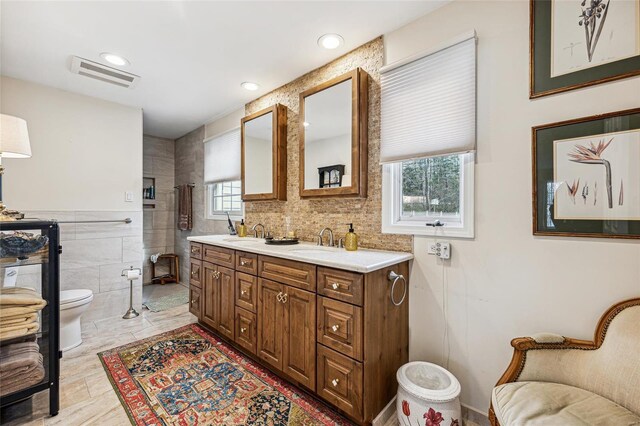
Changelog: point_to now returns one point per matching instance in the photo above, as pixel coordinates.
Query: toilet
(427, 391)
(73, 303)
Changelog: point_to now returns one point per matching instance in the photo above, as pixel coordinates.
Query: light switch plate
(128, 197)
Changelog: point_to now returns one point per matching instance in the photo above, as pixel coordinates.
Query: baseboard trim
(387, 412)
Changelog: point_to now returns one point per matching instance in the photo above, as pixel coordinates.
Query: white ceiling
(192, 56)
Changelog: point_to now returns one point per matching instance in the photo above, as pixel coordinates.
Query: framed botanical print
(579, 43)
(586, 176)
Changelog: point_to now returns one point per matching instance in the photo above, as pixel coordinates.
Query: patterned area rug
(189, 377)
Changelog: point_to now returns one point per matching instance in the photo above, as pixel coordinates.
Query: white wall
(323, 153)
(86, 152)
(507, 283)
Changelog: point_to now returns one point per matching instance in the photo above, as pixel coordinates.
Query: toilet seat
(428, 381)
(73, 298)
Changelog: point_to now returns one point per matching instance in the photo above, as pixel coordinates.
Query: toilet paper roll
(133, 275)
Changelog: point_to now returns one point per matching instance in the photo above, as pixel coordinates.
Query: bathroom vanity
(333, 322)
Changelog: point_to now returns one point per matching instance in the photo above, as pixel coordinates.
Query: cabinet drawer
(340, 381)
(340, 327)
(218, 255)
(194, 301)
(301, 275)
(196, 251)
(341, 285)
(195, 273)
(246, 329)
(247, 262)
(247, 291)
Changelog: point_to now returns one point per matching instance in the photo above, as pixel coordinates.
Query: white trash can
(427, 396)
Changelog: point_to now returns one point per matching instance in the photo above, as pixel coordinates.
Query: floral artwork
(588, 33)
(598, 177)
(430, 418)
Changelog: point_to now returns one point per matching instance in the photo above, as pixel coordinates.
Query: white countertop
(362, 260)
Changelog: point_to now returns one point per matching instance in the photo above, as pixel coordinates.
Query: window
(416, 194)
(224, 197)
(428, 140)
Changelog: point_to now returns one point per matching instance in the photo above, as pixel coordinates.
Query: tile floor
(86, 396)
(156, 291)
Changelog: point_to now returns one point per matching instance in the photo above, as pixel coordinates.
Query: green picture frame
(620, 136)
(543, 81)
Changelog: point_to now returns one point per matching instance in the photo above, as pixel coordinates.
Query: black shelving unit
(48, 337)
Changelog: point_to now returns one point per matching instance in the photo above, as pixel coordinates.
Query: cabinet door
(210, 297)
(194, 301)
(299, 337)
(270, 316)
(226, 283)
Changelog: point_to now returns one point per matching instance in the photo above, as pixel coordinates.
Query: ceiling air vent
(103, 73)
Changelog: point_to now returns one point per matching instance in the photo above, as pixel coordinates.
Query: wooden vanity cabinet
(333, 332)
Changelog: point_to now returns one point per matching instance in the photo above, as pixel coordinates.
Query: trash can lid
(428, 381)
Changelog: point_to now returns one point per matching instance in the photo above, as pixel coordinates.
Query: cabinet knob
(335, 286)
(335, 327)
(243, 292)
(245, 262)
(194, 272)
(335, 382)
(243, 330)
(284, 298)
(193, 301)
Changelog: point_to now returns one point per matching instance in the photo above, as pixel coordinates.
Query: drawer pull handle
(243, 330)
(335, 327)
(335, 382)
(335, 286)
(245, 262)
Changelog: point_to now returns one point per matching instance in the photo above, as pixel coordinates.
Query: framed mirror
(264, 154)
(333, 137)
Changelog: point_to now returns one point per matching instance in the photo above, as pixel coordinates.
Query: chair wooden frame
(522, 345)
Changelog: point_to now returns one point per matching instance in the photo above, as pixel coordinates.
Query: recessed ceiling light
(305, 124)
(250, 86)
(114, 59)
(330, 41)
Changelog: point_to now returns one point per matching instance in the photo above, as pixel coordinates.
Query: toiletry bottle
(242, 229)
(351, 239)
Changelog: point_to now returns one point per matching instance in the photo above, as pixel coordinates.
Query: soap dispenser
(242, 229)
(351, 239)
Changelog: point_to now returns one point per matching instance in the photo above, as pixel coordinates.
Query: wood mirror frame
(279, 157)
(359, 137)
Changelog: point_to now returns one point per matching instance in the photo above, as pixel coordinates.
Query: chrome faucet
(321, 234)
(255, 231)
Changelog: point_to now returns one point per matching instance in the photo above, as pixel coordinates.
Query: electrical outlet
(128, 197)
(440, 249)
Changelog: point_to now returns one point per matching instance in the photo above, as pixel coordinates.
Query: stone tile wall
(159, 222)
(93, 257)
(189, 168)
(310, 216)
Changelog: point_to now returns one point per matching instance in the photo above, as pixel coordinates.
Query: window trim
(391, 223)
(208, 194)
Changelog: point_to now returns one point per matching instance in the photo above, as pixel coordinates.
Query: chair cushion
(542, 403)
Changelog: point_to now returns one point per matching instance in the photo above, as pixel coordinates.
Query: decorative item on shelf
(570, 50)
(331, 176)
(586, 176)
(14, 143)
(21, 244)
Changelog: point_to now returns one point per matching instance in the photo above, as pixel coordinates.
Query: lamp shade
(14, 137)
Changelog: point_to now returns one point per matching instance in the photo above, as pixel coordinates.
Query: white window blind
(222, 157)
(429, 104)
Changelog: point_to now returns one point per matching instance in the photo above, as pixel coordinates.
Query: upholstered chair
(555, 380)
